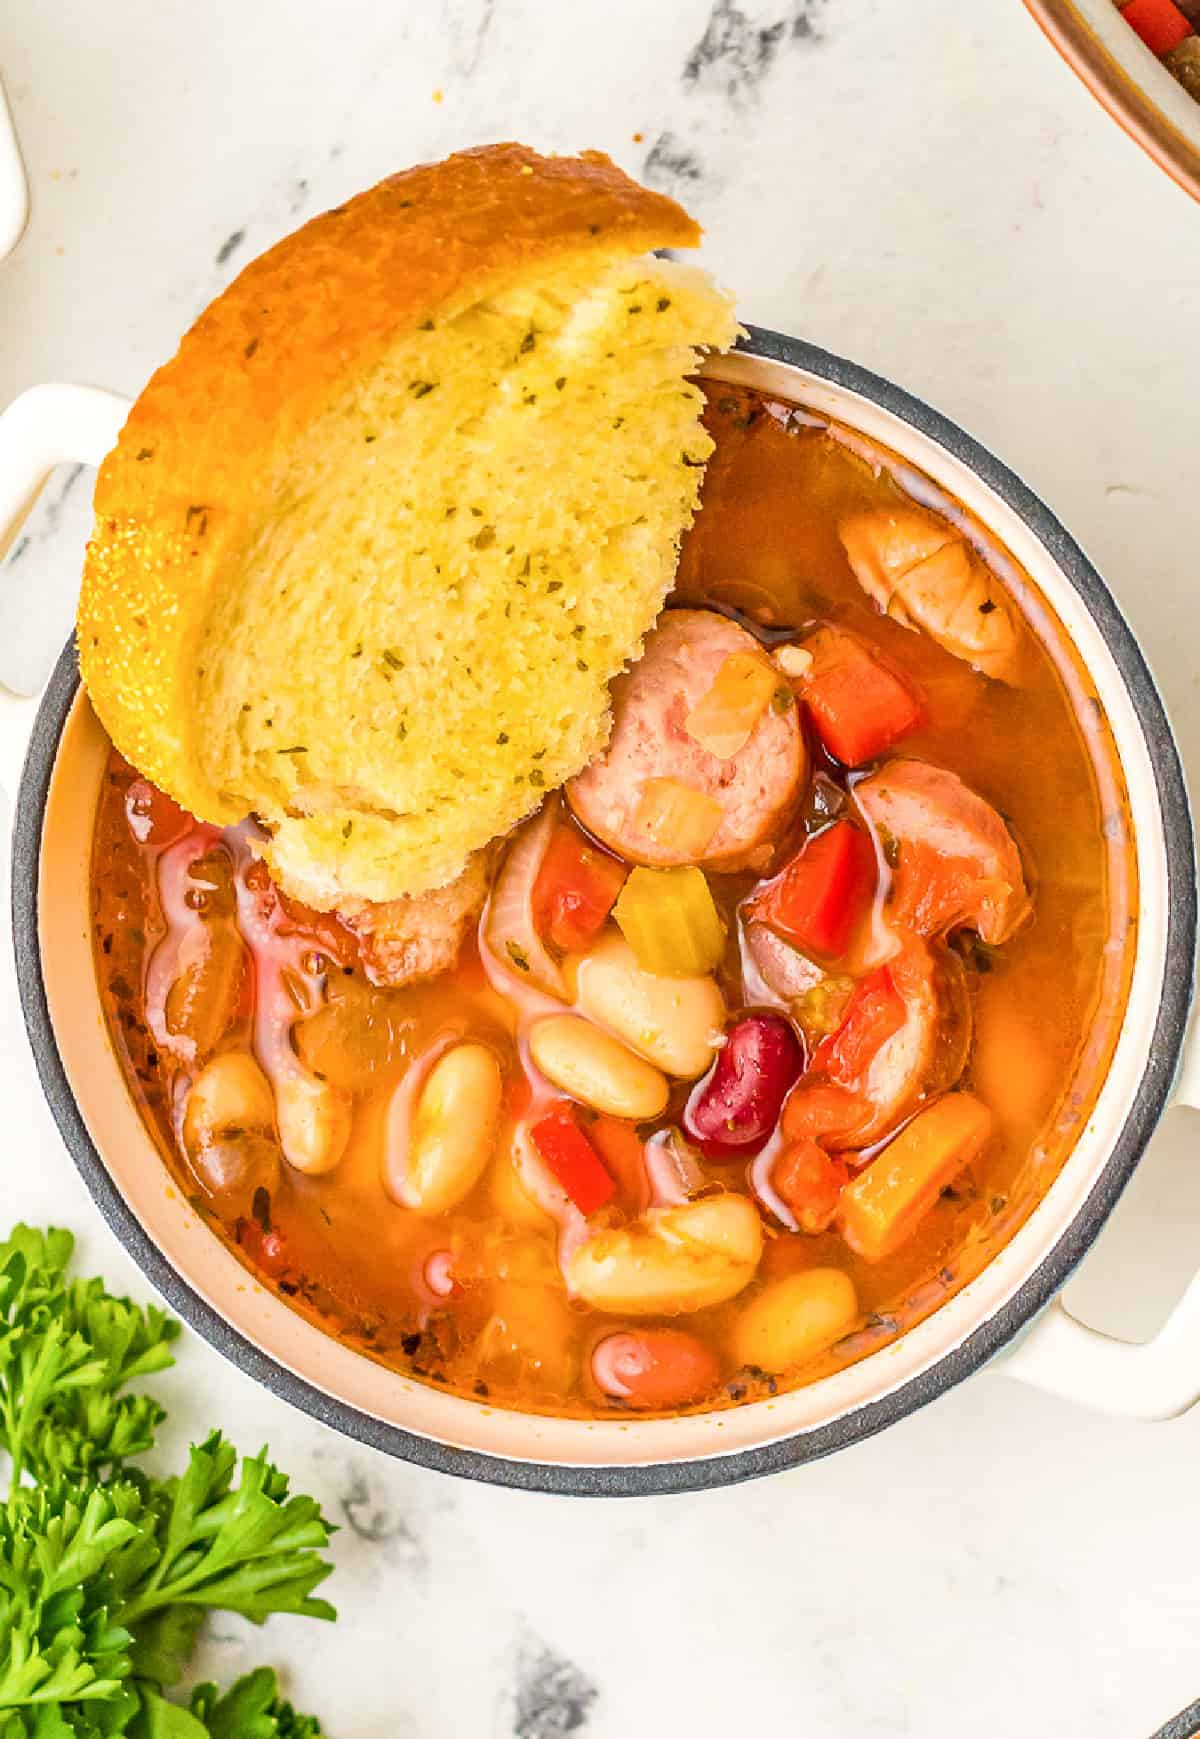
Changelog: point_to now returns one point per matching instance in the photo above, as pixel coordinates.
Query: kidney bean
(654, 1368)
(733, 1110)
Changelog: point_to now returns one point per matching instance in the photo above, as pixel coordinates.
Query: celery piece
(671, 922)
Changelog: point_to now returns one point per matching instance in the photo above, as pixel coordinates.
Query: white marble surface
(920, 186)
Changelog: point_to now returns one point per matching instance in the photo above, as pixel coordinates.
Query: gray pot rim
(954, 1366)
(1185, 1725)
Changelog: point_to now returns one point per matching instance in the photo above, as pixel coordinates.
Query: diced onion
(678, 816)
(723, 720)
(794, 660)
(509, 930)
(673, 1170)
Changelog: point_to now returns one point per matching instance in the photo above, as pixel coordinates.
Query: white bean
(673, 1260)
(675, 1023)
(314, 1122)
(229, 1132)
(793, 1320)
(590, 1065)
(453, 1130)
(230, 1092)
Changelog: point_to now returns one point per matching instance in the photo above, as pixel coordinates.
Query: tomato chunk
(875, 1013)
(1159, 23)
(573, 1160)
(575, 890)
(821, 1108)
(859, 706)
(818, 899)
(809, 1182)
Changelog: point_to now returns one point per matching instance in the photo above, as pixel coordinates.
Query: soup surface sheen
(525, 1178)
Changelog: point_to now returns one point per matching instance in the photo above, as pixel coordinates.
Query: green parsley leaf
(247, 1547)
(105, 1574)
(251, 1709)
(68, 1350)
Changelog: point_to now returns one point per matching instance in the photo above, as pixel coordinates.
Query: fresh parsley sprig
(106, 1572)
(68, 1351)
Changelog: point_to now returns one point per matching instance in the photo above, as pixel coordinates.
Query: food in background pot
(1171, 30)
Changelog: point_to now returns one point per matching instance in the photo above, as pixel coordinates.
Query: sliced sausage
(419, 936)
(921, 572)
(750, 794)
(929, 1052)
(776, 967)
(923, 1053)
(954, 862)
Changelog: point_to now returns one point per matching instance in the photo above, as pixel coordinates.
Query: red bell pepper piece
(575, 890)
(810, 1183)
(573, 1160)
(874, 1014)
(1159, 23)
(859, 706)
(817, 900)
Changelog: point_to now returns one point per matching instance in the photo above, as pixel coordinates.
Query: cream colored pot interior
(207, 1267)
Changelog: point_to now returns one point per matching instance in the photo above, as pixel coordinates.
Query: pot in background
(206, 1284)
(1130, 82)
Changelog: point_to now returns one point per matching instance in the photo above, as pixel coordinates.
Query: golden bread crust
(204, 439)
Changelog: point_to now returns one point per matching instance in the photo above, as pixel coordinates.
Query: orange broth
(1046, 1003)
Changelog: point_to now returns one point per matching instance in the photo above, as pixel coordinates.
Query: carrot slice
(886, 1202)
(624, 1154)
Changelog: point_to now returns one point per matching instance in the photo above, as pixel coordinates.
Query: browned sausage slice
(747, 796)
(408, 940)
(923, 573)
(883, 1083)
(954, 862)
(929, 1052)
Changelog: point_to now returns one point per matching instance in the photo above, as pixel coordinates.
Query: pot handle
(1156, 1379)
(14, 189)
(46, 426)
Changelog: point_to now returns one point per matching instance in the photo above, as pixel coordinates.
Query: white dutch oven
(63, 754)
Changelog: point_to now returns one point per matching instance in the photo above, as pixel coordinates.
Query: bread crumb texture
(374, 543)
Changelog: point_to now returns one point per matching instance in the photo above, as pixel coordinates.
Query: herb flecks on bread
(373, 545)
